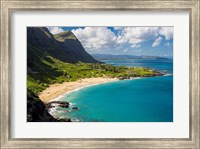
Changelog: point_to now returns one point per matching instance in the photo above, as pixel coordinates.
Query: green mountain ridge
(64, 46)
(65, 36)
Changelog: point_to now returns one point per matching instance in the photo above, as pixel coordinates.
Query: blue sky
(155, 41)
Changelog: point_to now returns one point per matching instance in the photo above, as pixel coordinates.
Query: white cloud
(135, 46)
(167, 32)
(157, 42)
(118, 28)
(136, 35)
(120, 39)
(102, 38)
(125, 50)
(55, 30)
(96, 38)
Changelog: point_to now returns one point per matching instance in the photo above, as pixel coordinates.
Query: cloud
(125, 50)
(120, 39)
(135, 46)
(167, 32)
(96, 38)
(102, 38)
(157, 42)
(136, 35)
(118, 28)
(55, 30)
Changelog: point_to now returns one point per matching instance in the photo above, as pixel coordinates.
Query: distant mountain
(63, 46)
(110, 56)
(152, 57)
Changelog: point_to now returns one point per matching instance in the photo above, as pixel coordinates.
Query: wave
(168, 74)
(75, 120)
(134, 78)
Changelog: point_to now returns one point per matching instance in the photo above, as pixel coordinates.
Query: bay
(138, 100)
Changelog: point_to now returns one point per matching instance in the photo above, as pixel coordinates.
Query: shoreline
(56, 91)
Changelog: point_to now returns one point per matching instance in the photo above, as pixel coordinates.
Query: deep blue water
(138, 100)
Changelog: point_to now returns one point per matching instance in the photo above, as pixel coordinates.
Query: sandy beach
(56, 91)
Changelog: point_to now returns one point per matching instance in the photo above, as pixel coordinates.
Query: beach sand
(56, 91)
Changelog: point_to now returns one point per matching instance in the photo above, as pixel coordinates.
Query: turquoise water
(138, 100)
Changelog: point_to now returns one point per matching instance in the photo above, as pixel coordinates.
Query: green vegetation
(56, 71)
(65, 35)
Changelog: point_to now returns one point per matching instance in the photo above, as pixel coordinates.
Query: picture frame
(9, 7)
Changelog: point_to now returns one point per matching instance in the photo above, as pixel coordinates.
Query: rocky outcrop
(124, 78)
(37, 111)
(75, 108)
(63, 104)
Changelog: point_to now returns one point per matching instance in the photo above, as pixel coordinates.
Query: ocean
(138, 100)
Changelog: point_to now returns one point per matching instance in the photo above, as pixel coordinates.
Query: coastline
(56, 91)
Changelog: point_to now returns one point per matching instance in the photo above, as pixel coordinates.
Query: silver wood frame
(10, 6)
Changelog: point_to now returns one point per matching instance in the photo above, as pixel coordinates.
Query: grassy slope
(52, 70)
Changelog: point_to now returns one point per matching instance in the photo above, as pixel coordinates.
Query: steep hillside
(73, 46)
(64, 47)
